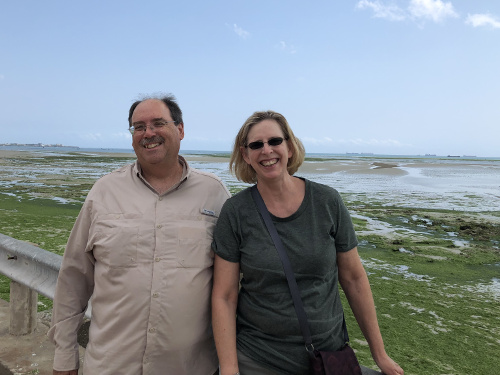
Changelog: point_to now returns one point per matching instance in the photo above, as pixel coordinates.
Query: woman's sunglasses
(271, 142)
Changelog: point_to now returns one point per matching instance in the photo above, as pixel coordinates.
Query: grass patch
(431, 327)
(41, 222)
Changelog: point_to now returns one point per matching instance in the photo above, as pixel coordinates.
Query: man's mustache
(155, 139)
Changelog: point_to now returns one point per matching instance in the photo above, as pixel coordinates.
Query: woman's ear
(243, 151)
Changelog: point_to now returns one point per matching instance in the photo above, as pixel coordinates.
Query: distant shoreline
(371, 165)
(313, 156)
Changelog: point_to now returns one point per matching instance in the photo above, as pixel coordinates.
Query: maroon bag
(340, 362)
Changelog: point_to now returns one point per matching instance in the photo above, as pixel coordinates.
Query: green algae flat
(434, 272)
(433, 275)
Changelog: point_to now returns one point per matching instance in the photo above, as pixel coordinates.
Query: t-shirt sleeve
(342, 228)
(227, 238)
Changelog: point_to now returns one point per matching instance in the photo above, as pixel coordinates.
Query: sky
(398, 77)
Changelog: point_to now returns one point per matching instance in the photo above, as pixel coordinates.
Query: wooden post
(23, 309)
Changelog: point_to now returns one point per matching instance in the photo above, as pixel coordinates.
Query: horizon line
(429, 155)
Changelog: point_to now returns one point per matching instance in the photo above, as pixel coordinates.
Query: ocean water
(435, 182)
(468, 187)
(429, 182)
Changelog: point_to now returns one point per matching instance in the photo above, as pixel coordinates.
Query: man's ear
(180, 128)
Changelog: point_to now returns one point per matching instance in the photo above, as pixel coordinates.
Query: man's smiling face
(155, 146)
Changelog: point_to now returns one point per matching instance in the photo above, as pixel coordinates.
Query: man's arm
(354, 282)
(73, 290)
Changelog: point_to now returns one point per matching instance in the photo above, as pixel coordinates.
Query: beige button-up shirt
(146, 261)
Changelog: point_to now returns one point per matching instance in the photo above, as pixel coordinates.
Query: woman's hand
(388, 366)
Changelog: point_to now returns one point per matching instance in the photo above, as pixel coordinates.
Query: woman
(256, 329)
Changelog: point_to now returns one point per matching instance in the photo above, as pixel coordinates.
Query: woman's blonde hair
(245, 172)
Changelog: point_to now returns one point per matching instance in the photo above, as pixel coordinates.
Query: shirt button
(157, 259)
(155, 295)
(158, 226)
(152, 330)
(160, 198)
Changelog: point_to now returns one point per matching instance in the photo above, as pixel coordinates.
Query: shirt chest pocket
(115, 243)
(194, 239)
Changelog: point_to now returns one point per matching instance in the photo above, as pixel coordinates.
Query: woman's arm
(354, 282)
(224, 302)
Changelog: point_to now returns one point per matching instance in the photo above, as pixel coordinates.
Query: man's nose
(150, 129)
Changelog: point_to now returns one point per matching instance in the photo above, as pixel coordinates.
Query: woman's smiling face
(269, 162)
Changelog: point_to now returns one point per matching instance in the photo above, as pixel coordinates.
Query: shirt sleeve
(74, 288)
(227, 236)
(342, 228)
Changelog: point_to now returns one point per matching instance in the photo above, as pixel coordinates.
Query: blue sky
(387, 77)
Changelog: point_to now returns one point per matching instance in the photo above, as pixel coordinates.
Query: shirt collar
(186, 171)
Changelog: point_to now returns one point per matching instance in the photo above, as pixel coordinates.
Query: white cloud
(478, 20)
(390, 12)
(122, 135)
(317, 141)
(287, 48)
(374, 142)
(2, 77)
(435, 10)
(91, 136)
(353, 141)
(240, 32)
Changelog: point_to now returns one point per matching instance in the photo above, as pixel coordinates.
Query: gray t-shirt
(267, 327)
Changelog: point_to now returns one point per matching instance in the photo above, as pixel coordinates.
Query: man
(141, 248)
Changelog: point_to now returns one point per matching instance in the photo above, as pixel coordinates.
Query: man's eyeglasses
(157, 125)
(271, 142)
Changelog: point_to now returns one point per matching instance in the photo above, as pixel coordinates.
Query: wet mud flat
(429, 235)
